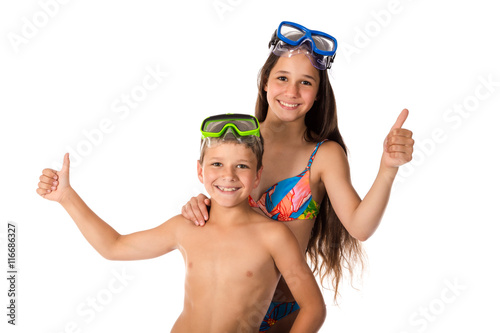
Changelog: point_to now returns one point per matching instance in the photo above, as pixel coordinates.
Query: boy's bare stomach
(224, 311)
(230, 281)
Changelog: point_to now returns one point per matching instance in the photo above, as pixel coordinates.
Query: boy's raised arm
(300, 280)
(54, 185)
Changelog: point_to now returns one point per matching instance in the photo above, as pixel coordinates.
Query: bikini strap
(311, 159)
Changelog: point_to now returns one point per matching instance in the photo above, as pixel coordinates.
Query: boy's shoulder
(179, 227)
(179, 223)
(277, 238)
(272, 230)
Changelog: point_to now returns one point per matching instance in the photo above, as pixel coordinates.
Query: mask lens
(324, 44)
(245, 125)
(292, 33)
(214, 126)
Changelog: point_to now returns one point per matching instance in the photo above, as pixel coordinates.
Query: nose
(228, 174)
(292, 90)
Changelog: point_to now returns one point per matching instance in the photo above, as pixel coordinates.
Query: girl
(296, 108)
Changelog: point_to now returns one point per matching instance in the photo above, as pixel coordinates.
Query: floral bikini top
(291, 198)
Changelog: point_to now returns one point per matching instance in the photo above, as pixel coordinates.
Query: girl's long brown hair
(331, 248)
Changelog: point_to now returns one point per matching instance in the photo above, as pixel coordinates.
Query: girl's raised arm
(362, 217)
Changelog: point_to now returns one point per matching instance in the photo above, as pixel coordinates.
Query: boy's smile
(227, 189)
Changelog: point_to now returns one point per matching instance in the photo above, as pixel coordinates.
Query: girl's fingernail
(53, 187)
(48, 191)
(54, 183)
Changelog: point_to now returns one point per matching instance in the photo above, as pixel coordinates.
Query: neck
(228, 216)
(276, 131)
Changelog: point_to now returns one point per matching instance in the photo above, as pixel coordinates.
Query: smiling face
(292, 88)
(229, 172)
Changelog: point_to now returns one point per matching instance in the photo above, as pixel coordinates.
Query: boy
(233, 264)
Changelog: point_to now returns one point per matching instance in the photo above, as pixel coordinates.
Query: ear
(199, 169)
(258, 178)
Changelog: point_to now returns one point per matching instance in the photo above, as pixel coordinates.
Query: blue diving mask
(292, 38)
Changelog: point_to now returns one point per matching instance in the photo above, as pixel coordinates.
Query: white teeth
(289, 105)
(226, 189)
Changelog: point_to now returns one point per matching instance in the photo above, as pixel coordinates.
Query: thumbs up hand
(398, 145)
(54, 184)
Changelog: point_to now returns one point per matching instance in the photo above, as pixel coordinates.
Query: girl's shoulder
(330, 148)
(330, 156)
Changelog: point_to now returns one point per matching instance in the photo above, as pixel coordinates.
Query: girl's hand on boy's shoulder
(196, 209)
(398, 145)
(54, 185)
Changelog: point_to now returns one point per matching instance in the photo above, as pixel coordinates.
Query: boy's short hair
(256, 144)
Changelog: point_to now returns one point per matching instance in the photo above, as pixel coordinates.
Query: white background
(68, 72)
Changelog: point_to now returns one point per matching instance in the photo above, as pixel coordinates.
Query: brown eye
(243, 166)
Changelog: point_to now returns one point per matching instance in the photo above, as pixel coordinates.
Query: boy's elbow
(316, 309)
(108, 255)
(110, 250)
(320, 308)
(315, 315)
(321, 316)
(114, 254)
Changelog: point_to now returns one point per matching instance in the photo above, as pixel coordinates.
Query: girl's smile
(288, 105)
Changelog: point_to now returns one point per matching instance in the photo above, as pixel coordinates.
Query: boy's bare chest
(229, 256)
